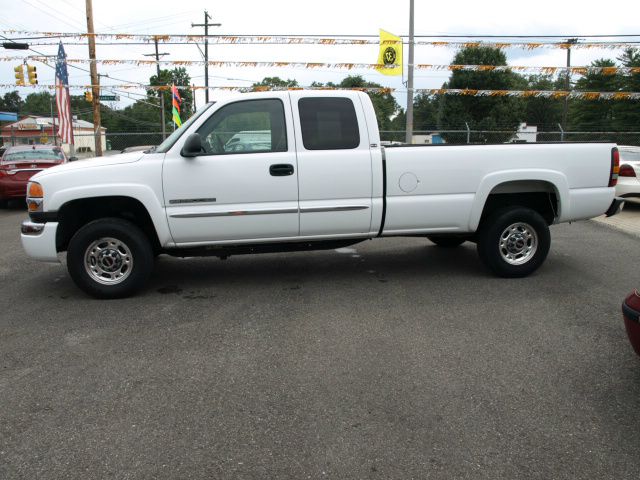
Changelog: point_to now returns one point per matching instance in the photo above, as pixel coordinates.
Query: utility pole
(160, 92)
(95, 80)
(409, 133)
(206, 26)
(567, 83)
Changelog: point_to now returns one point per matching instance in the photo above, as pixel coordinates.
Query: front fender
(142, 193)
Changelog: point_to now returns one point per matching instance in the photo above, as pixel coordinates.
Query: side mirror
(73, 159)
(192, 146)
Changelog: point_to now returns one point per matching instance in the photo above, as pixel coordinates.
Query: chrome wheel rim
(108, 261)
(518, 243)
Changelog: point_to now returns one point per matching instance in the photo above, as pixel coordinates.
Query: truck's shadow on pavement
(394, 265)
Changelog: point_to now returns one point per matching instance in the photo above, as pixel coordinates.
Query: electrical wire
(54, 13)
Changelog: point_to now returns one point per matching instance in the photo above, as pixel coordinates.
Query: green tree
(425, 113)
(38, 104)
(179, 77)
(595, 115)
(481, 113)
(11, 102)
(544, 113)
(275, 82)
(627, 112)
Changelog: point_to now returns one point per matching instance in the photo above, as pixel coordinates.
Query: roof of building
(31, 122)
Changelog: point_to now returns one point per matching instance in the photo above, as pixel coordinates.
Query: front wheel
(110, 258)
(514, 242)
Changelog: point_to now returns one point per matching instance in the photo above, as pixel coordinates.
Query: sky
(321, 18)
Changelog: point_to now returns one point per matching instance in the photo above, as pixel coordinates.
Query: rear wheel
(110, 258)
(514, 242)
(446, 241)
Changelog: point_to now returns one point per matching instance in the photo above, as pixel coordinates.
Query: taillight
(615, 167)
(627, 171)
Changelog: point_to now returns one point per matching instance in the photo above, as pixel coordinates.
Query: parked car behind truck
(19, 163)
(628, 183)
(321, 181)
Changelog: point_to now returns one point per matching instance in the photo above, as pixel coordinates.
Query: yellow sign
(390, 56)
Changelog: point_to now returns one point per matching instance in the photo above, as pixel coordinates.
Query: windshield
(29, 155)
(173, 138)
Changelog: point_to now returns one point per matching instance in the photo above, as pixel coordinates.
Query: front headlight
(35, 196)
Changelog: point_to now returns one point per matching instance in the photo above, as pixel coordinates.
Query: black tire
(447, 241)
(512, 253)
(128, 246)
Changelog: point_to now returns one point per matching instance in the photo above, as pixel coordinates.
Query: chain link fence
(494, 137)
(112, 143)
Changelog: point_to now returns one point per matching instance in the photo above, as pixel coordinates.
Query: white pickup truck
(313, 176)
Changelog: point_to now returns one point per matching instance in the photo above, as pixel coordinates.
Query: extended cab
(313, 175)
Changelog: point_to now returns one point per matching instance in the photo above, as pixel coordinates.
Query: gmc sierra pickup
(302, 170)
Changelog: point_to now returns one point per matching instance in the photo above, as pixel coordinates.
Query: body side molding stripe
(191, 200)
(339, 208)
(234, 213)
(275, 211)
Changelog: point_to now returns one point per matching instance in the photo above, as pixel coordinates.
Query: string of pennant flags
(551, 94)
(300, 40)
(578, 70)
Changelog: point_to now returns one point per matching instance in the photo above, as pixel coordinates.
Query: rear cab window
(328, 123)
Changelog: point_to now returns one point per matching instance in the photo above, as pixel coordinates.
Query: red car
(19, 164)
(631, 314)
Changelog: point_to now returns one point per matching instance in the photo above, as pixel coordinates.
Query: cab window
(328, 123)
(250, 126)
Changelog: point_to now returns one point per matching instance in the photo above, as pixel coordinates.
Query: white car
(628, 183)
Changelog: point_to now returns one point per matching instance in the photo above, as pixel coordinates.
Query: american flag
(63, 101)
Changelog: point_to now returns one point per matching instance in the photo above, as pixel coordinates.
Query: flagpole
(72, 145)
(409, 133)
(53, 123)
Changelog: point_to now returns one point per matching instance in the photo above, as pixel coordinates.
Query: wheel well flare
(75, 214)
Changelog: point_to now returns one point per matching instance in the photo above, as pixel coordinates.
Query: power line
(53, 12)
(308, 35)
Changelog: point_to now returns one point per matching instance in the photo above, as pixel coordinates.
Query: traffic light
(32, 74)
(19, 75)
(88, 96)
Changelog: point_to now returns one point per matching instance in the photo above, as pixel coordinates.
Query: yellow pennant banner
(390, 55)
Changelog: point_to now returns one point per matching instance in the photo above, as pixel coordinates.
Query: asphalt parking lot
(393, 359)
